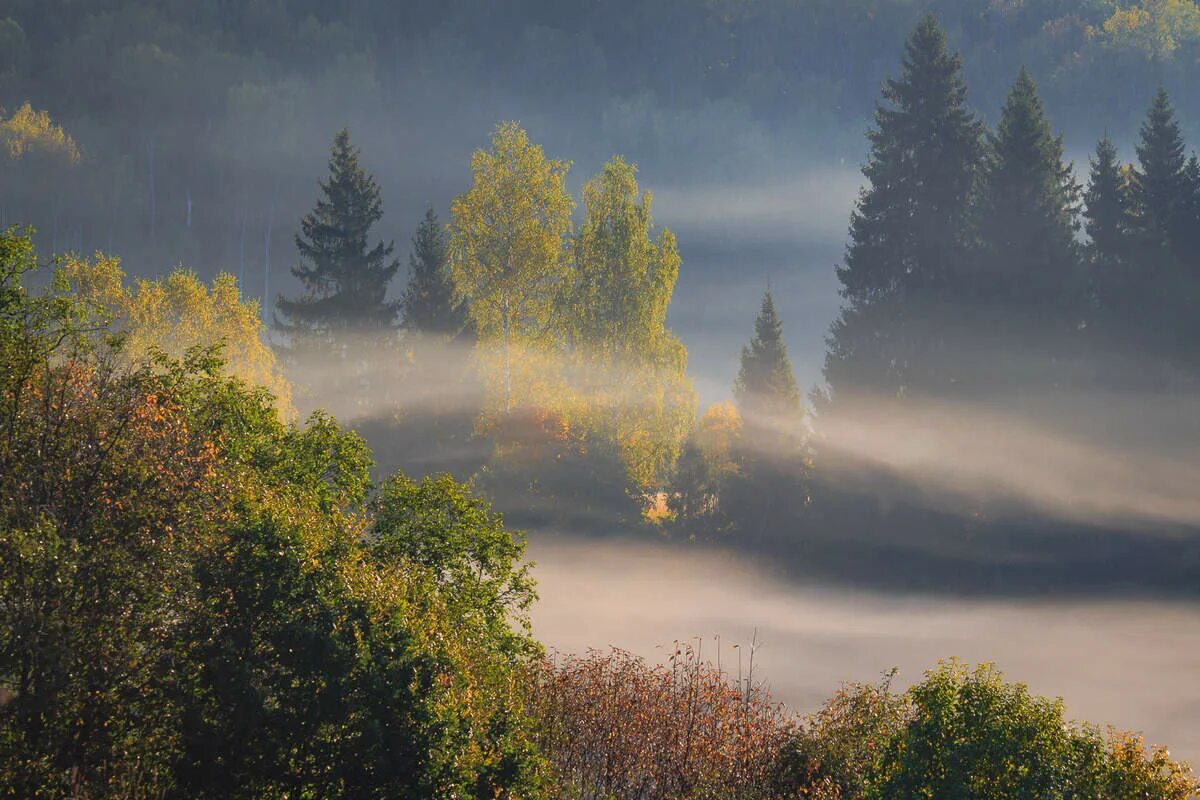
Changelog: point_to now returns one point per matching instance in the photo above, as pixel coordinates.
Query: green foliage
(623, 279)
(442, 526)
(974, 736)
(195, 605)
(508, 236)
(346, 279)
(624, 365)
(910, 234)
(765, 382)
(1157, 185)
(428, 306)
(836, 749)
(1028, 218)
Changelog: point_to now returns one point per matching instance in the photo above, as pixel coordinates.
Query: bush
(614, 726)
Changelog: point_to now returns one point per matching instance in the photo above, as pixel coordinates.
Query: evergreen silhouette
(428, 306)
(1028, 219)
(910, 234)
(1106, 211)
(1159, 190)
(765, 381)
(346, 281)
(1160, 196)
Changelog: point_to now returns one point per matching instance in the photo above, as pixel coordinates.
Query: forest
(262, 534)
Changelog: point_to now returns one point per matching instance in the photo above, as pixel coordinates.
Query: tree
(1156, 28)
(1028, 220)
(1160, 197)
(37, 159)
(708, 461)
(765, 383)
(623, 279)
(193, 607)
(428, 306)
(625, 368)
(507, 240)
(476, 558)
(972, 735)
(1158, 189)
(346, 280)
(179, 314)
(1106, 211)
(910, 233)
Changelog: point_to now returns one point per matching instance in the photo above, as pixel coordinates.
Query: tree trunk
(507, 360)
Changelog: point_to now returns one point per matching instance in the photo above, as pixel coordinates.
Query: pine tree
(346, 281)
(910, 233)
(1028, 219)
(765, 382)
(1106, 211)
(428, 306)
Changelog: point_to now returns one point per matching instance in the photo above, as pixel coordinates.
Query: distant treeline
(197, 120)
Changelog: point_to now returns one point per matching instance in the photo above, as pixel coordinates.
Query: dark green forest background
(201, 123)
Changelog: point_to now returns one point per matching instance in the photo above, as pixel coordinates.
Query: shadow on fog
(1063, 495)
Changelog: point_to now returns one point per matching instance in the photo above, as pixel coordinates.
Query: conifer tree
(346, 280)
(1106, 211)
(910, 234)
(1159, 185)
(1160, 195)
(765, 382)
(428, 306)
(1028, 217)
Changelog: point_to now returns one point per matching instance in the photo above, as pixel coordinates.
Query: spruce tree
(346, 281)
(1106, 211)
(1028, 219)
(911, 231)
(428, 306)
(1160, 196)
(765, 382)
(1159, 185)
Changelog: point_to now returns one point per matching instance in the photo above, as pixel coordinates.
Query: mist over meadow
(599, 400)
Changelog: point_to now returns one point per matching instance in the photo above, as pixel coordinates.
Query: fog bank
(1131, 664)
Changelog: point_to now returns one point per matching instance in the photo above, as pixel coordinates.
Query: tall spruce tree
(1160, 196)
(1158, 189)
(910, 234)
(1106, 211)
(1028, 219)
(428, 306)
(765, 382)
(346, 280)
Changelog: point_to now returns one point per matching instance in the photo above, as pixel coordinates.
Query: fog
(1131, 664)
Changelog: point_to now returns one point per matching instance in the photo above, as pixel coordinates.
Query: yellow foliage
(179, 313)
(28, 132)
(1157, 28)
(718, 432)
(507, 236)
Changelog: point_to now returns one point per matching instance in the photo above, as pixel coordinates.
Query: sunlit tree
(508, 235)
(180, 313)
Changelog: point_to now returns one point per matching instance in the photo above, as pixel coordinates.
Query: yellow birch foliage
(1157, 28)
(28, 132)
(181, 312)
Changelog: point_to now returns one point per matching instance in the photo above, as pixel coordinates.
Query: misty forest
(370, 428)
